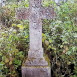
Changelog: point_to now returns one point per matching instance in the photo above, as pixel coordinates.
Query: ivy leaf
(6, 60)
(20, 26)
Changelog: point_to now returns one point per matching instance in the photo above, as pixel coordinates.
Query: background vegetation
(59, 39)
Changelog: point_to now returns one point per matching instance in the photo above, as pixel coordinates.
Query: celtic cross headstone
(35, 65)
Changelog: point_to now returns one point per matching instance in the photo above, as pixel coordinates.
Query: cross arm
(47, 13)
(22, 13)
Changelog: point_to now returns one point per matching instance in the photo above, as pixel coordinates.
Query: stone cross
(35, 13)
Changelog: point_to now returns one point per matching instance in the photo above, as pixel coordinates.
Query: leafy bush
(7, 16)
(59, 40)
(13, 49)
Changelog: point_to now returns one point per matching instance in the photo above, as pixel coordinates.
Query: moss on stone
(47, 59)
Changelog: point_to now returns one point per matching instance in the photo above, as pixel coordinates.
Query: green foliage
(7, 13)
(13, 48)
(59, 39)
(7, 16)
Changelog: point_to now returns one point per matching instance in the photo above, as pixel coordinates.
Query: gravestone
(35, 65)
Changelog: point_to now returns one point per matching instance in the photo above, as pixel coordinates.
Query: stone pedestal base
(36, 71)
(36, 62)
(36, 65)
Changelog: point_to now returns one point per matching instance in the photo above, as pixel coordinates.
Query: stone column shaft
(35, 28)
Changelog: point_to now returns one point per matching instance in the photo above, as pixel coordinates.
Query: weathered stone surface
(22, 13)
(36, 71)
(35, 33)
(35, 3)
(47, 13)
(36, 62)
(35, 53)
(44, 13)
(35, 65)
